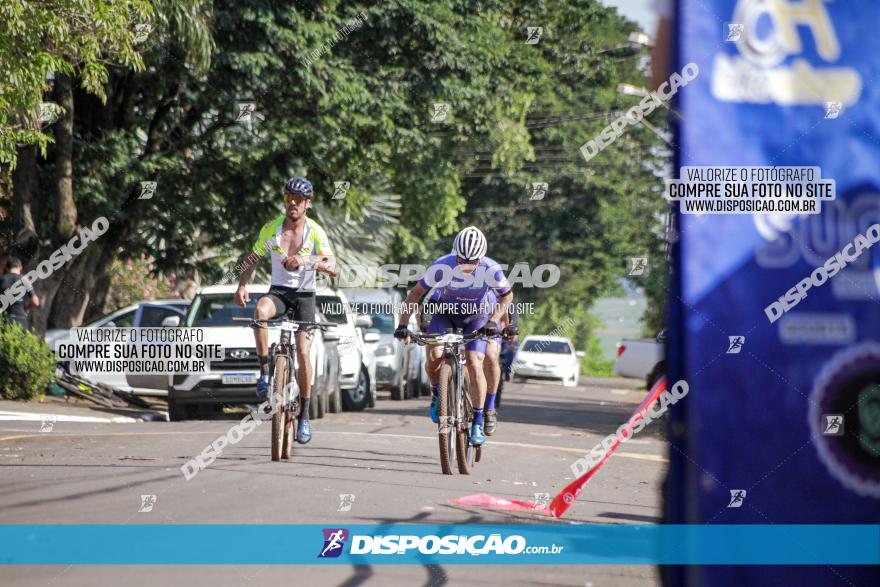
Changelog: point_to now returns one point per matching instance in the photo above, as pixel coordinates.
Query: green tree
(61, 39)
(357, 107)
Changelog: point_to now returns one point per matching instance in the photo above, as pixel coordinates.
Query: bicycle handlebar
(445, 338)
(277, 322)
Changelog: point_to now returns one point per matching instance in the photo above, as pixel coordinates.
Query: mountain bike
(284, 389)
(455, 410)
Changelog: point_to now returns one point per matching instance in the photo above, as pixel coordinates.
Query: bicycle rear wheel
(279, 418)
(445, 409)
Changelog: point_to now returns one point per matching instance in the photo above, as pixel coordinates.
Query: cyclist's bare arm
(242, 297)
(327, 265)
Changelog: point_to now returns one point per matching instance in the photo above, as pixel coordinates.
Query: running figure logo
(440, 112)
(334, 540)
(534, 35)
(638, 265)
(148, 190)
(47, 422)
(539, 190)
(832, 425)
(737, 496)
(147, 503)
(340, 188)
(542, 500)
(734, 31)
(346, 500)
(833, 109)
(736, 343)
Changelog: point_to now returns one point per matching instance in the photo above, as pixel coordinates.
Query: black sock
(304, 411)
(264, 365)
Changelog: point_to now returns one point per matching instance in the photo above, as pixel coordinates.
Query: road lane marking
(6, 416)
(578, 451)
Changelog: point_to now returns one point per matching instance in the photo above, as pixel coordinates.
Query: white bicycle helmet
(470, 244)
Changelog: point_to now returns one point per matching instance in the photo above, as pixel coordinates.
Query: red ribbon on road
(566, 497)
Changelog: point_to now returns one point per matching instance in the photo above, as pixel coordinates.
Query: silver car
(399, 367)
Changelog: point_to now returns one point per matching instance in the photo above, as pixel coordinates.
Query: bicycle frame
(453, 351)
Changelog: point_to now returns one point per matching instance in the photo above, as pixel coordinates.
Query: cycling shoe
(477, 437)
(303, 432)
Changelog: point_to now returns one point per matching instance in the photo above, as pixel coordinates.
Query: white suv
(234, 379)
(357, 373)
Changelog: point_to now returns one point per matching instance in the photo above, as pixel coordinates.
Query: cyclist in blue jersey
(465, 282)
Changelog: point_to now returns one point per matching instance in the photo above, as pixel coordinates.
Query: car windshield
(332, 308)
(219, 310)
(383, 323)
(546, 346)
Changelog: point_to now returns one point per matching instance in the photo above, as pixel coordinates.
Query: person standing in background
(18, 311)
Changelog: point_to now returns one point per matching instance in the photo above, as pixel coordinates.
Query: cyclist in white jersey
(299, 248)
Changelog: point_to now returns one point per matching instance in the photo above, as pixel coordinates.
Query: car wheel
(412, 388)
(177, 412)
(323, 399)
(398, 390)
(335, 399)
(356, 398)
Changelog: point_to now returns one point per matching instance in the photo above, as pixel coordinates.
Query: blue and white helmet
(300, 187)
(470, 244)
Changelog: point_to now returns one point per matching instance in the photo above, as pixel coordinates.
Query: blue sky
(641, 11)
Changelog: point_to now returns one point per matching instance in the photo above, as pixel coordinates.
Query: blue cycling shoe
(435, 418)
(263, 387)
(477, 437)
(303, 432)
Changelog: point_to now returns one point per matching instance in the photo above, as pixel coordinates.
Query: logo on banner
(769, 66)
(334, 541)
(832, 424)
(734, 31)
(736, 344)
(737, 498)
(849, 383)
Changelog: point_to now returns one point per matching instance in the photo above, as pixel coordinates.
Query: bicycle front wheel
(279, 418)
(446, 412)
(465, 454)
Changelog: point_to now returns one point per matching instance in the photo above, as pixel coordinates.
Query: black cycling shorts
(301, 303)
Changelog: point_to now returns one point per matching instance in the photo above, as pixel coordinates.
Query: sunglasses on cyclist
(295, 198)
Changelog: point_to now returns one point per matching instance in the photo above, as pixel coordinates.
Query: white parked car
(642, 359)
(357, 371)
(234, 379)
(399, 366)
(142, 315)
(547, 357)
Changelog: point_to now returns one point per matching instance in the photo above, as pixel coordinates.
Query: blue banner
(63, 544)
(774, 328)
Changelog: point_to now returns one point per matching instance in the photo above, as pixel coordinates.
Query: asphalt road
(96, 472)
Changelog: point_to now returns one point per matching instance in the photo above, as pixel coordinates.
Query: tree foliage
(357, 107)
(41, 39)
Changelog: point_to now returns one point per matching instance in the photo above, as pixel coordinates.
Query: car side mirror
(363, 321)
(171, 322)
(371, 336)
(661, 336)
(331, 334)
(580, 354)
(110, 324)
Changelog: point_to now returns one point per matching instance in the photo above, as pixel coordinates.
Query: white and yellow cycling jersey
(314, 244)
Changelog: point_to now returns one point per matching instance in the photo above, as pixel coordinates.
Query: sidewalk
(73, 410)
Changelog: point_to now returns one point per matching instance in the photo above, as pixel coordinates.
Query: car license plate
(238, 378)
